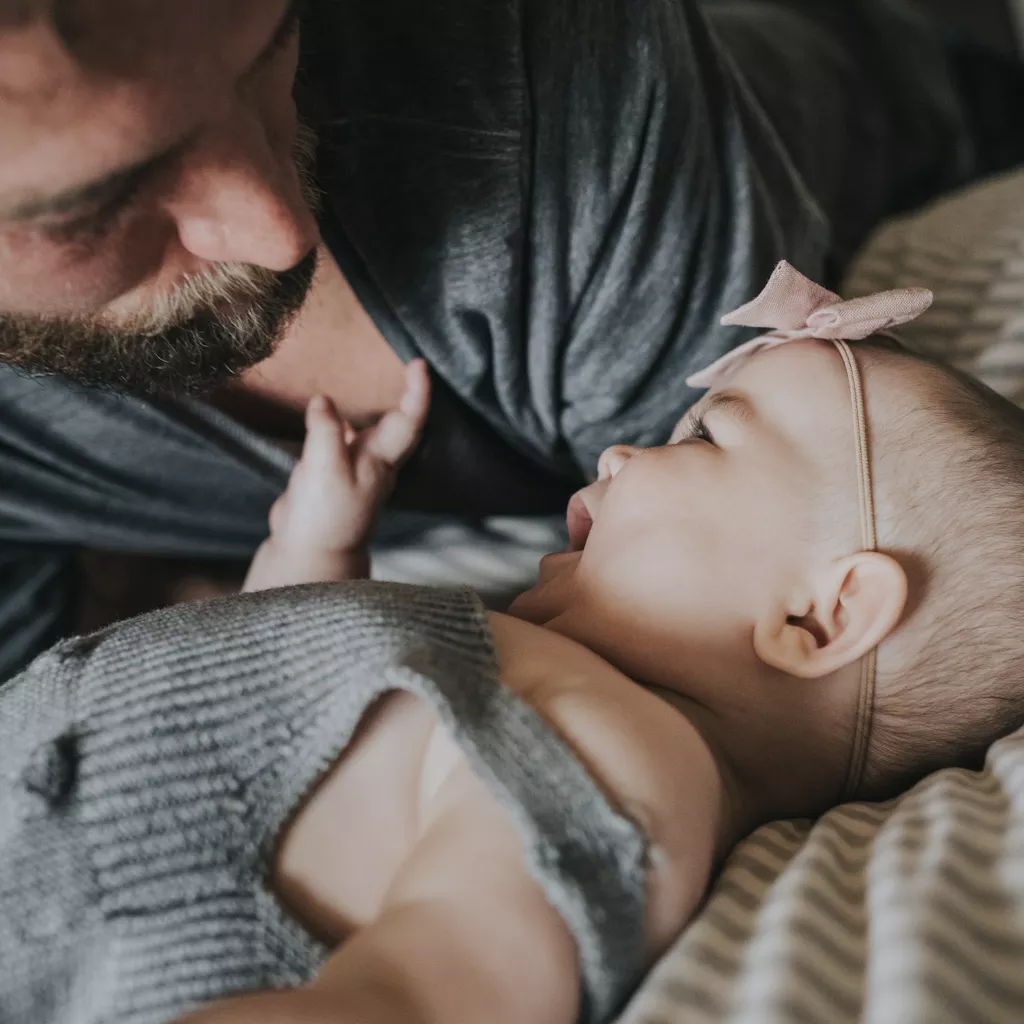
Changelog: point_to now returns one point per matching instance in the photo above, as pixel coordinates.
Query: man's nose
(614, 458)
(239, 201)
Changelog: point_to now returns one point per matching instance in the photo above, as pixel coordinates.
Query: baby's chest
(345, 845)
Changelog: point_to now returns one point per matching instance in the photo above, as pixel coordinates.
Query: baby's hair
(949, 479)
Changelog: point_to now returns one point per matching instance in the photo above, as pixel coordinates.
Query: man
(551, 200)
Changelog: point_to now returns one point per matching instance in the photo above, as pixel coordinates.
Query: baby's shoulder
(649, 759)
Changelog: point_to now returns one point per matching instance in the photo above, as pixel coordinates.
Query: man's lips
(579, 522)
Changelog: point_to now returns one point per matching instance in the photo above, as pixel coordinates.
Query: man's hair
(21, 12)
(949, 478)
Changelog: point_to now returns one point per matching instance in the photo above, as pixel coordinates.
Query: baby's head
(732, 568)
(948, 465)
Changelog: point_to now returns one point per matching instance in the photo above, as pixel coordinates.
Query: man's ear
(853, 605)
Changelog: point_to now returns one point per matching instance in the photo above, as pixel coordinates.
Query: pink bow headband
(796, 308)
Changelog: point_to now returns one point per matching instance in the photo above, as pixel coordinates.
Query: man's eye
(79, 231)
(97, 223)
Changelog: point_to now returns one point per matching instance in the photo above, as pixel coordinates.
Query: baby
(809, 595)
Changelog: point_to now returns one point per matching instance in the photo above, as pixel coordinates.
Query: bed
(898, 913)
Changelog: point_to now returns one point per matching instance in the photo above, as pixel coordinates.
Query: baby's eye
(697, 429)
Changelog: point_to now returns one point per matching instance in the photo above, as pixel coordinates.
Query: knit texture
(146, 773)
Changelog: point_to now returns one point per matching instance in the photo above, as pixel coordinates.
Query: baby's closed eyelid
(694, 428)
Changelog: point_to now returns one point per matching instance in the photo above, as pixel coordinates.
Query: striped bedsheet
(496, 557)
(910, 912)
(969, 249)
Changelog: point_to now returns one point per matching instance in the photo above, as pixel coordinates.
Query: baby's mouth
(579, 522)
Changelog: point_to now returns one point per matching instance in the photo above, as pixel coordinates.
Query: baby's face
(678, 550)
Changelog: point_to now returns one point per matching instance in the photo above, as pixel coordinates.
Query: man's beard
(190, 340)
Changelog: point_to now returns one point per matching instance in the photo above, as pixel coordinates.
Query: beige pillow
(969, 249)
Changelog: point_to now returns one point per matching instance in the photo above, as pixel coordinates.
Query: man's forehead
(72, 131)
(83, 31)
(72, 112)
(123, 37)
(34, 63)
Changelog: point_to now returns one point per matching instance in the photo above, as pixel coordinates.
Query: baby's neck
(766, 777)
(558, 675)
(743, 809)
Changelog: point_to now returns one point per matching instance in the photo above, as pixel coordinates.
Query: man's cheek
(39, 276)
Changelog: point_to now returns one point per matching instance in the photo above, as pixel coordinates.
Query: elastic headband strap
(869, 542)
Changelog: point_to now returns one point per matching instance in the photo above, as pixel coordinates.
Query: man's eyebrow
(110, 185)
(125, 179)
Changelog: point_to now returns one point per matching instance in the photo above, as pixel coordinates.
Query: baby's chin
(549, 596)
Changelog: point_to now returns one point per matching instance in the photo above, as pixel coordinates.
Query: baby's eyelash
(698, 429)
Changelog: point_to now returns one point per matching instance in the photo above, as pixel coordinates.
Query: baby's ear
(853, 605)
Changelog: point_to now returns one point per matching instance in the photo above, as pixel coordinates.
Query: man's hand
(321, 525)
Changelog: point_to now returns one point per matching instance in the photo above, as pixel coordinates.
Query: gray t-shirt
(553, 201)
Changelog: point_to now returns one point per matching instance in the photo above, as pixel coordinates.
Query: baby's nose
(614, 458)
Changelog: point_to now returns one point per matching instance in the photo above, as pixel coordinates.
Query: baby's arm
(465, 935)
(320, 527)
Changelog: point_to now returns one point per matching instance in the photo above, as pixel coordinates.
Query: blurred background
(998, 22)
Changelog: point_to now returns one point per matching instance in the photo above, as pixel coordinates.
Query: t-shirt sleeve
(88, 469)
(661, 198)
(36, 594)
(91, 468)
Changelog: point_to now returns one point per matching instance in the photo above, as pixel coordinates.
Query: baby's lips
(579, 522)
